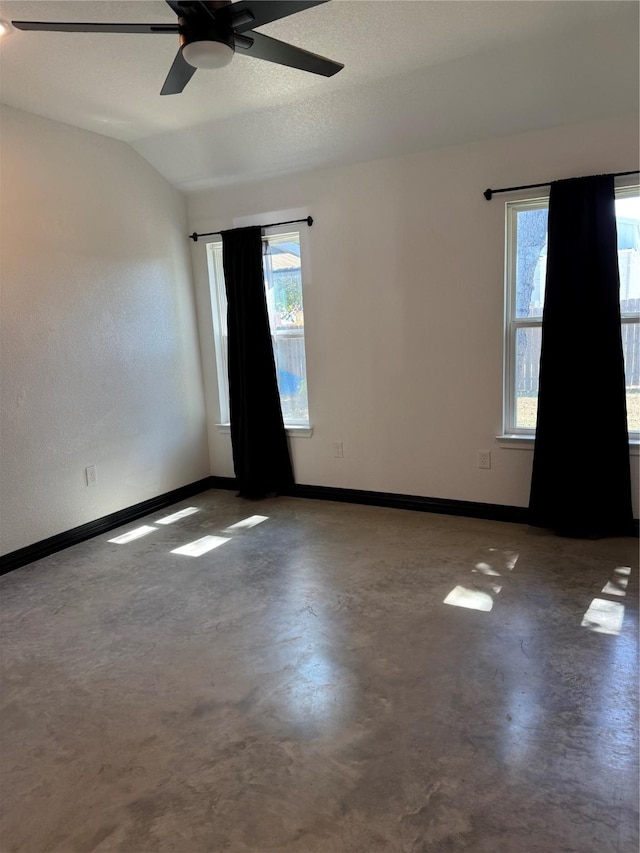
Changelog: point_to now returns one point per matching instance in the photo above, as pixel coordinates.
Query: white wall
(404, 312)
(99, 347)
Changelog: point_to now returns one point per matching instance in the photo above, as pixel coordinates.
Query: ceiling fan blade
(263, 47)
(179, 75)
(176, 6)
(249, 14)
(184, 8)
(64, 27)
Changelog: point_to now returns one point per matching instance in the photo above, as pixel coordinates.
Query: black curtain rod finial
(488, 194)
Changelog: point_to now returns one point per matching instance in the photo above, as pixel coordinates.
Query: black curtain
(581, 483)
(260, 451)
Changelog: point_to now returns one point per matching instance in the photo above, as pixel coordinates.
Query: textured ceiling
(417, 74)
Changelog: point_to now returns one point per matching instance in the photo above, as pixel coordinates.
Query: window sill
(527, 442)
(292, 431)
(516, 442)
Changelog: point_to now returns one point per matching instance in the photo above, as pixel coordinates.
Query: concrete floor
(334, 678)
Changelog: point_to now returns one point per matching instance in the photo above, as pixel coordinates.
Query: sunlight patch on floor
(133, 534)
(176, 516)
(485, 569)
(604, 617)
(618, 583)
(473, 599)
(247, 523)
(200, 546)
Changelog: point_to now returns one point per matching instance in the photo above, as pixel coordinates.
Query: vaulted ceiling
(418, 74)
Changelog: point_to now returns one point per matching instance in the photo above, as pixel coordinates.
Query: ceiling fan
(210, 32)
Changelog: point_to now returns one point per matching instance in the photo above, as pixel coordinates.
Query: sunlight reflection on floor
(480, 595)
(133, 534)
(176, 516)
(617, 585)
(200, 546)
(473, 599)
(604, 617)
(247, 523)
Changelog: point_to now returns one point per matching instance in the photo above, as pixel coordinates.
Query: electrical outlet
(91, 475)
(338, 450)
(484, 459)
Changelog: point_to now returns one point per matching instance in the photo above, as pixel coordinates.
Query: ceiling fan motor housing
(206, 44)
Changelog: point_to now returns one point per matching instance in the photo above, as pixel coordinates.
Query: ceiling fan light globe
(207, 54)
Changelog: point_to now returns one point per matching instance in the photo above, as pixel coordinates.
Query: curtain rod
(488, 194)
(308, 220)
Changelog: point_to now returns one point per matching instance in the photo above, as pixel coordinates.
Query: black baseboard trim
(418, 503)
(443, 506)
(60, 541)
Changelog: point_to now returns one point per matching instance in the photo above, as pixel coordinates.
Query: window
(283, 289)
(525, 282)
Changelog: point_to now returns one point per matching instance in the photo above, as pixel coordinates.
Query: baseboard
(418, 503)
(60, 541)
(469, 509)
(444, 506)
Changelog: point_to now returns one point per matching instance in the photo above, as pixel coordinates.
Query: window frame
(512, 323)
(215, 271)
